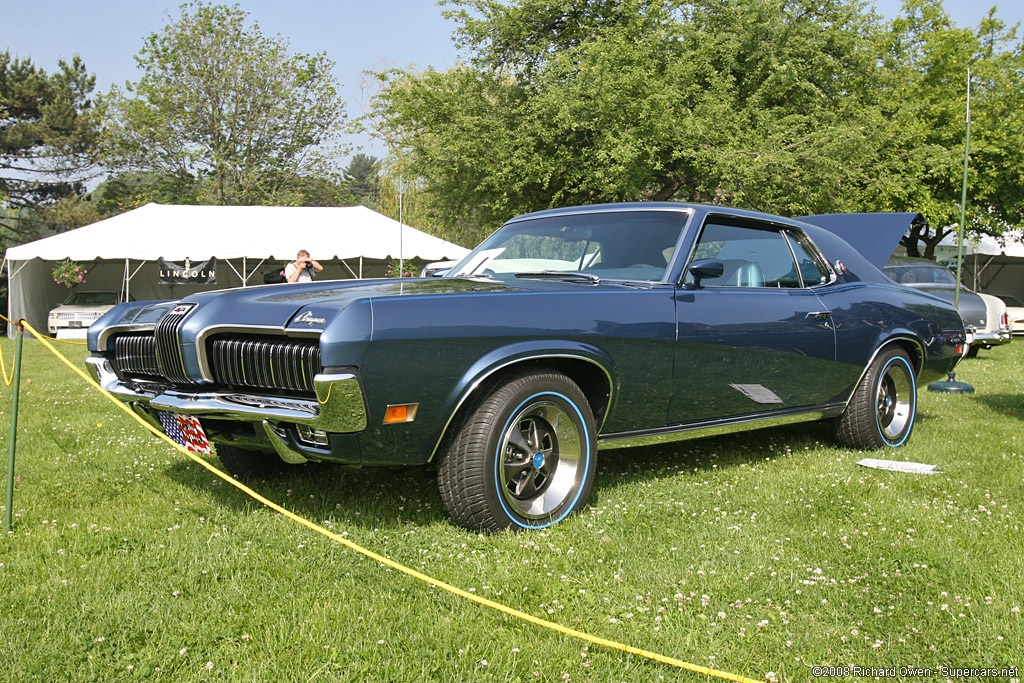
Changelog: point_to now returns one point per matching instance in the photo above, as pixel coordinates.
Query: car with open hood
(565, 332)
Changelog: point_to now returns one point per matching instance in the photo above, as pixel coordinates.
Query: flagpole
(401, 229)
(950, 385)
(963, 198)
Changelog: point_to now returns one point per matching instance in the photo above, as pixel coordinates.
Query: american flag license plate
(187, 431)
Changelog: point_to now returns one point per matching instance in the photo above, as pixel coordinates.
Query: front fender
(507, 357)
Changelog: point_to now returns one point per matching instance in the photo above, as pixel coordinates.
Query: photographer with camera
(302, 269)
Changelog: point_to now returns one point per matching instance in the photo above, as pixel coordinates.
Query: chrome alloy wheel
(894, 400)
(541, 453)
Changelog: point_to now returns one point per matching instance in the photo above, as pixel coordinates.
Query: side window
(752, 257)
(811, 268)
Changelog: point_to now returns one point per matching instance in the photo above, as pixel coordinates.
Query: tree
(921, 167)
(565, 102)
(786, 106)
(363, 177)
(225, 112)
(48, 135)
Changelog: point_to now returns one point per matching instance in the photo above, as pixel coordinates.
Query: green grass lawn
(762, 554)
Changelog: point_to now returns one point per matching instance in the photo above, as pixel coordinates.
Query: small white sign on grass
(899, 466)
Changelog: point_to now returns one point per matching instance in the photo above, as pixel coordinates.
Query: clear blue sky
(357, 35)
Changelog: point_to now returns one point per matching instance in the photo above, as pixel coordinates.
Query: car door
(754, 338)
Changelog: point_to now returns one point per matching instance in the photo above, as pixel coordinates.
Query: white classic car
(80, 310)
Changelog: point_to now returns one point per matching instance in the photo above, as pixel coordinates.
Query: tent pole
(9, 316)
(401, 231)
(347, 268)
(245, 271)
(360, 267)
(127, 279)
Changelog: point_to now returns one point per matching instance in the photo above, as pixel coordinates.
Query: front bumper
(339, 406)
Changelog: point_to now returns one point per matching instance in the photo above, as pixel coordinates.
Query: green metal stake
(963, 198)
(12, 442)
(950, 385)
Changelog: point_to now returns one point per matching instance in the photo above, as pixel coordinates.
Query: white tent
(1010, 244)
(121, 253)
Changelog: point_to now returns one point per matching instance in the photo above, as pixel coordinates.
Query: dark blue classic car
(564, 332)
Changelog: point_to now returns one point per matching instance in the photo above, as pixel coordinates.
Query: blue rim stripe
(913, 401)
(498, 460)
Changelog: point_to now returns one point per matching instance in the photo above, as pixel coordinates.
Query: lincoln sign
(188, 273)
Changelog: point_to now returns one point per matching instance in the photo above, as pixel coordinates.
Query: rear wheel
(884, 405)
(523, 456)
(248, 465)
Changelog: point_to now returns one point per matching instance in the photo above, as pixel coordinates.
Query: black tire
(248, 465)
(882, 410)
(522, 457)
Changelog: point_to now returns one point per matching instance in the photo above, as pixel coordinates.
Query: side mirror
(705, 268)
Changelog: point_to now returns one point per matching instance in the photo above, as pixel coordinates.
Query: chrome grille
(168, 344)
(135, 354)
(265, 363)
(75, 316)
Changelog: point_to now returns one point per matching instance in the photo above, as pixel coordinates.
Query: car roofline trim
(599, 208)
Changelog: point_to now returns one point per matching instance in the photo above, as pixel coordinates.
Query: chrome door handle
(819, 315)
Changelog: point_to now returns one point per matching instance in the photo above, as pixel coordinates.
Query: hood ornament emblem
(308, 318)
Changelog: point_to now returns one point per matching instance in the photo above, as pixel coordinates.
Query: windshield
(92, 299)
(909, 275)
(614, 245)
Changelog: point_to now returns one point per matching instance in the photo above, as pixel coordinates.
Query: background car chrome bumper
(339, 406)
(1003, 336)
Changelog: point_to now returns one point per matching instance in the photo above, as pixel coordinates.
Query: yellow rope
(671, 661)
(8, 379)
(40, 336)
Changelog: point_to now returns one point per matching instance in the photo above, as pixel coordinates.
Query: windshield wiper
(561, 275)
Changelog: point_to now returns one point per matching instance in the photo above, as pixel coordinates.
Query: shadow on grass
(380, 498)
(368, 498)
(1007, 405)
(710, 453)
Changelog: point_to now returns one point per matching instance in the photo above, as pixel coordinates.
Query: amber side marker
(405, 412)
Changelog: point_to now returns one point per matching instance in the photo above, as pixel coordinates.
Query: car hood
(874, 235)
(308, 308)
(312, 305)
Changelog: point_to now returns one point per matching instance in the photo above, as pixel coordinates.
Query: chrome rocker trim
(339, 405)
(695, 430)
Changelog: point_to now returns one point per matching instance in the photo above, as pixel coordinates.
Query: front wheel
(883, 407)
(523, 457)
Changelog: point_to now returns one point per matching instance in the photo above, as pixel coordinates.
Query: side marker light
(405, 412)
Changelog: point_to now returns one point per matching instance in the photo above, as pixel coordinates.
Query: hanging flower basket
(69, 273)
(394, 271)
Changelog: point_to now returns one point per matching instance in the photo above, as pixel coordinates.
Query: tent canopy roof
(277, 232)
(1009, 245)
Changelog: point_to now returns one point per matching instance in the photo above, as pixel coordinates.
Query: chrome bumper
(1003, 336)
(339, 406)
